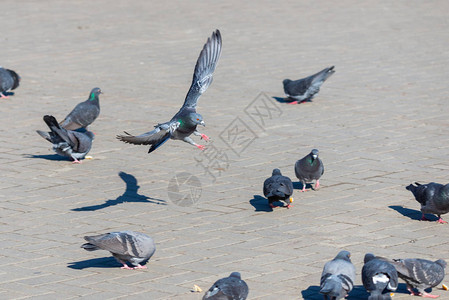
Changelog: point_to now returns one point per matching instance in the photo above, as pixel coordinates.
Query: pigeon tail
(89, 247)
(332, 287)
(378, 296)
(323, 75)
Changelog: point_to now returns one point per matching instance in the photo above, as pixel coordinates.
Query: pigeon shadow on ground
(54, 157)
(313, 293)
(288, 100)
(130, 195)
(103, 262)
(298, 185)
(412, 213)
(260, 203)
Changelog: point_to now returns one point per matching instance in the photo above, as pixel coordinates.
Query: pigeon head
(286, 81)
(314, 153)
(94, 93)
(15, 77)
(276, 172)
(345, 255)
(236, 275)
(442, 263)
(368, 257)
(196, 119)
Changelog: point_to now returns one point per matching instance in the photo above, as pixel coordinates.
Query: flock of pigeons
(71, 138)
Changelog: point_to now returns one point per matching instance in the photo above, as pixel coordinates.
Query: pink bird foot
(140, 267)
(3, 96)
(427, 295)
(289, 205)
(205, 137)
(201, 147)
(293, 102)
(441, 221)
(126, 267)
(77, 162)
(317, 185)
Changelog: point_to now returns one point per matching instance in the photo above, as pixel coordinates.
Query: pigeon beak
(202, 123)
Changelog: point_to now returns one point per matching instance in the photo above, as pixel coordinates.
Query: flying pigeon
(305, 89)
(186, 120)
(434, 198)
(68, 143)
(9, 80)
(277, 188)
(126, 246)
(309, 168)
(84, 113)
(229, 288)
(338, 276)
(378, 276)
(420, 274)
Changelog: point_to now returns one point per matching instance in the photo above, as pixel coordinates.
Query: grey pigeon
(309, 168)
(420, 274)
(186, 120)
(434, 198)
(277, 188)
(379, 276)
(68, 143)
(126, 246)
(229, 288)
(305, 89)
(338, 276)
(84, 113)
(9, 80)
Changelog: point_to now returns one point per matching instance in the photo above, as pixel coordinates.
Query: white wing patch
(380, 278)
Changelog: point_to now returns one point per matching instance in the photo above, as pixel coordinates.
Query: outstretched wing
(155, 138)
(204, 69)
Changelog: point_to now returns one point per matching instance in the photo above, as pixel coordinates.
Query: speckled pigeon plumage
(305, 89)
(229, 288)
(67, 143)
(420, 274)
(9, 80)
(84, 113)
(309, 168)
(337, 278)
(278, 188)
(184, 123)
(433, 197)
(379, 277)
(126, 246)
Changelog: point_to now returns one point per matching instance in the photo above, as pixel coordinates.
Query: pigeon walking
(338, 276)
(126, 246)
(420, 274)
(186, 120)
(379, 276)
(305, 89)
(84, 113)
(9, 80)
(278, 188)
(434, 198)
(229, 288)
(309, 168)
(68, 143)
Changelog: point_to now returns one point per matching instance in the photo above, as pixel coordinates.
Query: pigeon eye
(197, 119)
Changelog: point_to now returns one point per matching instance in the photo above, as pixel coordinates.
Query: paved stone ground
(380, 123)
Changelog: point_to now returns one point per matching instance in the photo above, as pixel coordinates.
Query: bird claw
(140, 267)
(205, 137)
(441, 221)
(293, 102)
(427, 295)
(3, 96)
(126, 267)
(289, 205)
(201, 147)
(77, 162)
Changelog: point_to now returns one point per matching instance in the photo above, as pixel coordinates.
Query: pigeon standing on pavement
(84, 113)
(309, 168)
(229, 288)
(420, 274)
(68, 143)
(186, 120)
(126, 246)
(9, 80)
(434, 198)
(379, 276)
(277, 188)
(305, 89)
(338, 276)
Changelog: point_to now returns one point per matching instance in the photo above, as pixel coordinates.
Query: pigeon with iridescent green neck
(309, 168)
(186, 120)
(84, 113)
